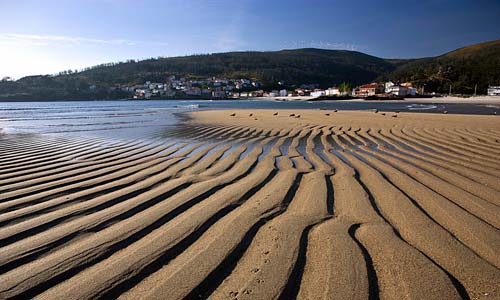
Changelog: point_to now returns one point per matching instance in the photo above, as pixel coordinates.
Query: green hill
(463, 68)
(325, 67)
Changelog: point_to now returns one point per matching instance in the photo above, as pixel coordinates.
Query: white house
(318, 93)
(333, 91)
(396, 90)
(399, 90)
(494, 90)
(283, 93)
(389, 84)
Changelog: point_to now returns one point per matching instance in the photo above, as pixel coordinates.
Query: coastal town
(242, 88)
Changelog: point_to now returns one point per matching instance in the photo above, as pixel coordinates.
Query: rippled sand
(257, 205)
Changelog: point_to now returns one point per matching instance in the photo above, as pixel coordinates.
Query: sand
(277, 205)
(485, 100)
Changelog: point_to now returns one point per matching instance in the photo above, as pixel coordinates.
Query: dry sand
(485, 100)
(317, 205)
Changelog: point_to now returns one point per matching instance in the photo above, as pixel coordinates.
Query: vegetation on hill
(325, 67)
(463, 69)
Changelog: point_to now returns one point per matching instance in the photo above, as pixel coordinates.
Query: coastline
(495, 100)
(441, 100)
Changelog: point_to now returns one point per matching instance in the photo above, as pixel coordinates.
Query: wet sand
(257, 205)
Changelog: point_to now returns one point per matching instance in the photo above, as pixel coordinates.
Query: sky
(45, 37)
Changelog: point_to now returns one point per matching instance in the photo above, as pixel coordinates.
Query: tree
(345, 88)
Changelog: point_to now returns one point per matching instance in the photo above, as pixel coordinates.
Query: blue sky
(40, 37)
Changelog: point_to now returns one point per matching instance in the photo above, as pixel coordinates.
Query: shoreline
(495, 100)
(437, 100)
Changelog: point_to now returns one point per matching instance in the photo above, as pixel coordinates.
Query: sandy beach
(493, 100)
(257, 204)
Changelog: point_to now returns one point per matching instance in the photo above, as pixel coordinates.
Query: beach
(492, 100)
(257, 204)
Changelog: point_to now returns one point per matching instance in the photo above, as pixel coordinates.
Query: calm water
(143, 119)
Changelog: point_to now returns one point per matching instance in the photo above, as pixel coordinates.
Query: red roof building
(368, 90)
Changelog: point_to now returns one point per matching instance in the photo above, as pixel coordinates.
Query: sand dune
(328, 205)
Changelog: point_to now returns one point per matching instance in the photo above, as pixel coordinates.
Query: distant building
(404, 89)
(142, 94)
(318, 93)
(299, 92)
(396, 90)
(283, 93)
(494, 90)
(218, 94)
(193, 91)
(333, 91)
(400, 90)
(368, 90)
(274, 93)
(259, 93)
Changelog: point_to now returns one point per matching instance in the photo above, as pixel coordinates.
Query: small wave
(189, 106)
(421, 106)
(98, 124)
(96, 129)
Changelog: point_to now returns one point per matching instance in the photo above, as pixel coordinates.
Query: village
(223, 88)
